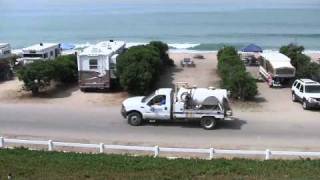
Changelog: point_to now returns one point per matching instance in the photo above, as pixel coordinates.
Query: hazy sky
(257, 3)
(142, 6)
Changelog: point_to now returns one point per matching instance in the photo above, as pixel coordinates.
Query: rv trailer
(97, 64)
(5, 51)
(276, 68)
(41, 51)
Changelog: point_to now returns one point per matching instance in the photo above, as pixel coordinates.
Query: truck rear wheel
(208, 123)
(134, 119)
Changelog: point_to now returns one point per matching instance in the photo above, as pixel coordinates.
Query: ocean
(196, 25)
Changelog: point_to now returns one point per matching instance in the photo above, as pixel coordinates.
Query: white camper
(41, 51)
(5, 50)
(97, 64)
(276, 68)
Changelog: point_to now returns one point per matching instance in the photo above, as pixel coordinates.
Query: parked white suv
(306, 91)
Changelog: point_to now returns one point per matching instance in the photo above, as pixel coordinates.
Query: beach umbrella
(66, 46)
(252, 48)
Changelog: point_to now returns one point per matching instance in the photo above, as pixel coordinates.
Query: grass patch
(26, 164)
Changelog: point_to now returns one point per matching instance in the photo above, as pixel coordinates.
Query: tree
(66, 70)
(36, 75)
(315, 71)
(163, 49)
(227, 51)
(39, 74)
(5, 70)
(234, 76)
(292, 51)
(304, 67)
(138, 69)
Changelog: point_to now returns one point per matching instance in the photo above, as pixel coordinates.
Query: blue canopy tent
(65, 46)
(252, 48)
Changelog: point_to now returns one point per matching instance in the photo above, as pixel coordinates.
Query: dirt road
(252, 130)
(271, 121)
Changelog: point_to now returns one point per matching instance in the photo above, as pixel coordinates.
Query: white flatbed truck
(183, 103)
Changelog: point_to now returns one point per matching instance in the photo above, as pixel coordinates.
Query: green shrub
(304, 67)
(292, 51)
(163, 49)
(138, 69)
(37, 75)
(234, 76)
(5, 70)
(227, 51)
(66, 70)
(315, 69)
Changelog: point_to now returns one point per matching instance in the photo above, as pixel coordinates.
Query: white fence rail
(156, 150)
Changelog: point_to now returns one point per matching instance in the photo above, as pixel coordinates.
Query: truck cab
(179, 104)
(154, 106)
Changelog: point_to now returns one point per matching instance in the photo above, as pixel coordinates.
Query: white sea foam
(171, 45)
(174, 48)
(191, 51)
(183, 45)
(311, 52)
(130, 44)
(83, 45)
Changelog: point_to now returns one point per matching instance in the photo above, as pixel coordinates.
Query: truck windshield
(313, 89)
(144, 99)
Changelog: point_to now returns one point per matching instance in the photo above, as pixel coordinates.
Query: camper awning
(252, 48)
(65, 46)
(279, 64)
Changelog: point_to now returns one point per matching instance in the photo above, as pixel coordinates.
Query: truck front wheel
(134, 119)
(305, 105)
(208, 123)
(294, 97)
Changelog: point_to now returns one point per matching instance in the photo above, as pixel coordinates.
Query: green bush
(227, 51)
(304, 67)
(37, 75)
(5, 70)
(292, 51)
(138, 69)
(315, 69)
(66, 70)
(163, 49)
(234, 76)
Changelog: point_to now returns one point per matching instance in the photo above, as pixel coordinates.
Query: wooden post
(156, 151)
(50, 145)
(101, 148)
(2, 142)
(268, 154)
(211, 151)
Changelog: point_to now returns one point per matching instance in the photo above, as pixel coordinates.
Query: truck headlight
(123, 111)
(311, 100)
(229, 113)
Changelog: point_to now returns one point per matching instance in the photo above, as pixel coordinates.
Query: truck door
(158, 108)
(299, 91)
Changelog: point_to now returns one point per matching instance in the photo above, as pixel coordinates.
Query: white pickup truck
(182, 103)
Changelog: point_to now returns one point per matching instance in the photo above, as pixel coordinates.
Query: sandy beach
(315, 57)
(203, 75)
